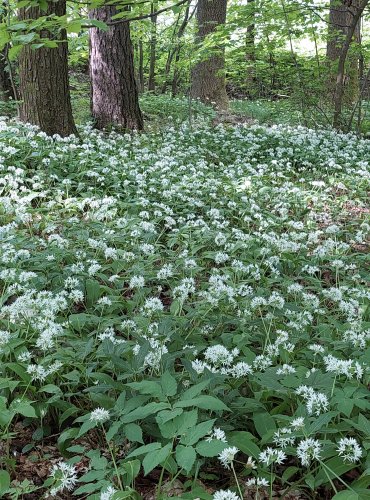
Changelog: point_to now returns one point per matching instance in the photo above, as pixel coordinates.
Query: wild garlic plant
(187, 300)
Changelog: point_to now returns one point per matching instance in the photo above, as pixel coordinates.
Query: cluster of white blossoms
(316, 402)
(218, 359)
(64, 476)
(99, 415)
(119, 251)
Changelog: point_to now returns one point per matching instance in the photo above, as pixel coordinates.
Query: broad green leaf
(264, 423)
(185, 457)
(142, 450)
(169, 384)
(205, 402)
(210, 448)
(154, 458)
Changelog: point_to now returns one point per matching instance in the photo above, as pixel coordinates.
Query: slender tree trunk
(174, 52)
(208, 76)
(153, 48)
(141, 66)
(6, 91)
(114, 94)
(250, 52)
(340, 21)
(43, 78)
(357, 12)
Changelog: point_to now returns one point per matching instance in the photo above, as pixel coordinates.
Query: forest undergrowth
(184, 312)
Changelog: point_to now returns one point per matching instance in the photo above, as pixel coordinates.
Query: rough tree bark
(43, 78)
(114, 94)
(208, 76)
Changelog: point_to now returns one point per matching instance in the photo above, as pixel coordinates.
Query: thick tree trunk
(114, 94)
(43, 78)
(208, 76)
(153, 48)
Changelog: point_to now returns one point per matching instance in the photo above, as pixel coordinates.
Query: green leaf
(154, 458)
(204, 402)
(264, 424)
(166, 415)
(92, 287)
(4, 481)
(169, 384)
(24, 408)
(242, 440)
(147, 387)
(142, 450)
(131, 470)
(321, 421)
(195, 390)
(210, 448)
(134, 433)
(144, 411)
(346, 495)
(193, 435)
(185, 457)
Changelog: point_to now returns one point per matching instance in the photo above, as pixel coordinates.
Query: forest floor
(184, 309)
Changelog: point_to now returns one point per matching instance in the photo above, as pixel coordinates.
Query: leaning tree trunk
(114, 94)
(338, 97)
(43, 78)
(208, 76)
(340, 21)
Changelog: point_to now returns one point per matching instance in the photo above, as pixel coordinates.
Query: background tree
(43, 76)
(114, 93)
(340, 21)
(208, 75)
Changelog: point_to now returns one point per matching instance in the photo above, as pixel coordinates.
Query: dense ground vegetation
(184, 312)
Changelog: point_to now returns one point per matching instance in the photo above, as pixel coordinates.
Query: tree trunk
(208, 76)
(250, 52)
(6, 91)
(340, 21)
(114, 94)
(43, 78)
(174, 52)
(357, 12)
(141, 66)
(153, 48)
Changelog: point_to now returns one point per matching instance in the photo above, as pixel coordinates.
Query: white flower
(65, 476)
(219, 355)
(108, 493)
(137, 282)
(218, 434)
(297, 423)
(99, 415)
(349, 449)
(259, 481)
(225, 495)
(152, 305)
(270, 456)
(307, 450)
(226, 457)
